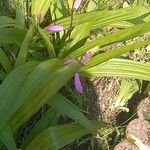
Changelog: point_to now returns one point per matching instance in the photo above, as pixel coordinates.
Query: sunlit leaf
(122, 68)
(103, 18)
(122, 35)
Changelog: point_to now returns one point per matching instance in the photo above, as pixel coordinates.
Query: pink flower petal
(86, 58)
(77, 83)
(55, 28)
(76, 4)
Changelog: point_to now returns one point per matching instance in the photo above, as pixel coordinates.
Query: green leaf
(22, 55)
(48, 44)
(115, 53)
(123, 35)
(7, 138)
(2, 75)
(78, 37)
(67, 108)
(127, 89)
(148, 89)
(54, 138)
(122, 68)
(5, 62)
(40, 7)
(59, 9)
(45, 80)
(103, 18)
(11, 36)
(49, 119)
(9, 90)
(6, 21)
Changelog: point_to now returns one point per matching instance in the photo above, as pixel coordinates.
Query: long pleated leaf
(9, 90)
(45, 80)
(78, 37)
(122, 35)
(115, 53)
(67, 108)
(22, 55)
(54, 138)
(2, 75)
(103, 18)
(11, 36)
(49, 119)
(7, 138)
(48, 44)
(122, 68)
(40, 8)
(5, 62)
(6, 21)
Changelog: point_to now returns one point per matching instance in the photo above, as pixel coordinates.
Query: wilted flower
(76, 4)
(55, 28)
(77, 81)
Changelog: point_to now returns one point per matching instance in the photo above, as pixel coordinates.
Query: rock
(125, 146)
(143, 110)
(139, 128)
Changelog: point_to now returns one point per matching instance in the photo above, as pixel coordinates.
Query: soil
(100, 93)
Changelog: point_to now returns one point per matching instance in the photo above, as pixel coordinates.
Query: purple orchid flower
(76, 4)
(55, 28)
(86, 58)
(77, 81)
